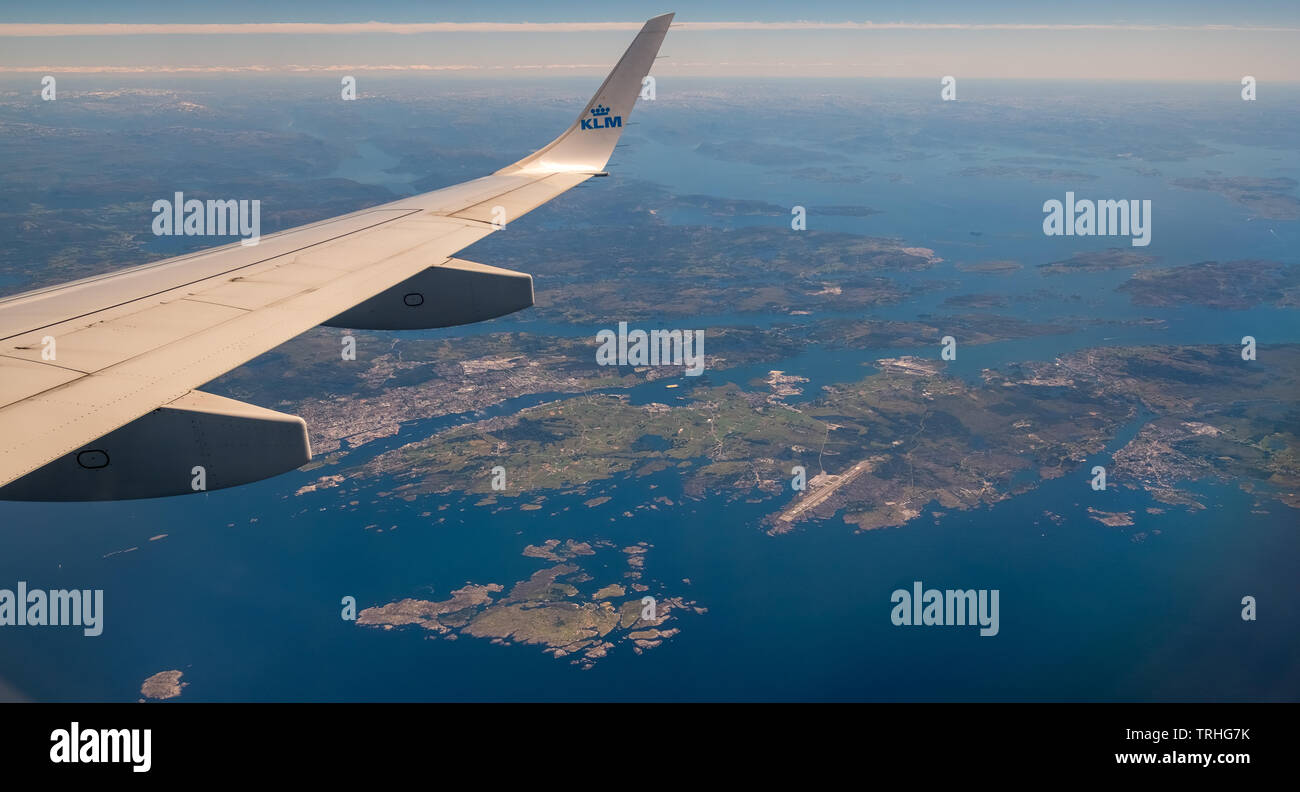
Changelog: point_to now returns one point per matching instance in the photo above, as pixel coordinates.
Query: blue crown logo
(600, 110)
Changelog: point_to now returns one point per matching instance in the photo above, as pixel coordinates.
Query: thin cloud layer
(28, 30)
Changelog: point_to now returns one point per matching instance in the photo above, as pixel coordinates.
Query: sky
(1100, 39)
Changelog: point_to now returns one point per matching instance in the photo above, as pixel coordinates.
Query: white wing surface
(98, 377)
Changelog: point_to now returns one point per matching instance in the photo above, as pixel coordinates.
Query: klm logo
(601, 119)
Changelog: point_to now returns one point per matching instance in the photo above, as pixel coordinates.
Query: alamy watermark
(950, 608)
(93, 746)
(179, 217)
(55, 608)
(1085, 217)
(652, 348)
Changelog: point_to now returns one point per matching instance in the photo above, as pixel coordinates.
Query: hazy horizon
(1005, 40)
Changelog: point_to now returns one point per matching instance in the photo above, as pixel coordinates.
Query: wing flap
(521, 200)
(110, 342)
(249, 293)
(62, 305)
(21, 379)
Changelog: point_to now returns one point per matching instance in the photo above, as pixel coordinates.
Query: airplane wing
(98, 377)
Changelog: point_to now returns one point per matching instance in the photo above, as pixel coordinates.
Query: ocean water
(251, 611)
(243, 594)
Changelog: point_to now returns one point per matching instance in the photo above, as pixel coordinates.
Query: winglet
(586, 145)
